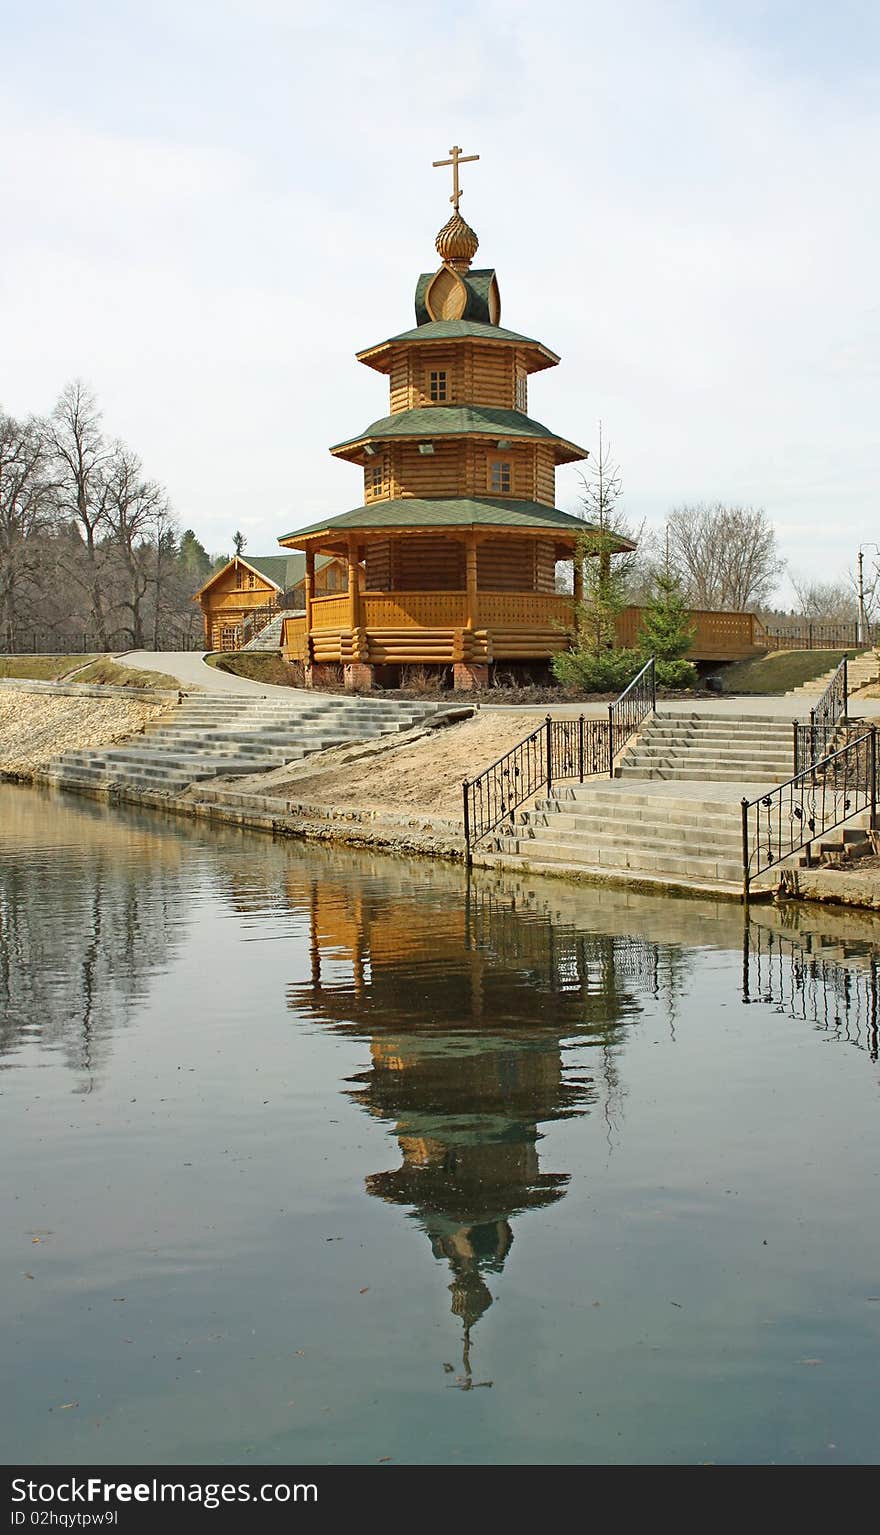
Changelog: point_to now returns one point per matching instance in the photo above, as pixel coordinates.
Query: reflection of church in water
(469, 1010)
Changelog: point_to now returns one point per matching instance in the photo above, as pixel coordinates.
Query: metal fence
(558, 750)
(46, 642)
(793, 815)
(817, 636)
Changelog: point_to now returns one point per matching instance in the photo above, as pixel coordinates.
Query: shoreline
(439, 839)
(413, 830)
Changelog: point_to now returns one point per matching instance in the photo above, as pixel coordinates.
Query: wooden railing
(523, 610)
(717, 636)
(445, 610)
(414, 610)
(330, 612)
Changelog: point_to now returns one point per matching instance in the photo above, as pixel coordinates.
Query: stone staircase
(862, 670)
(711, 749)
(271, 635)
(672, 812)
(209, 736)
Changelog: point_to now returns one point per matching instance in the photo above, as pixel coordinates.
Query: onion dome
(457, 243)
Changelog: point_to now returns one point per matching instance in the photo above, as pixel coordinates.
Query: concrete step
(702, 752)
(698, 775)
(718, 834)
(601, 856)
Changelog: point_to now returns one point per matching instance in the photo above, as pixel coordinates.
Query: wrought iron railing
(827, 727)
(832, 705)
(793, 815)
(633, 706)
(559, 749)
(814, 742)
(779, 635)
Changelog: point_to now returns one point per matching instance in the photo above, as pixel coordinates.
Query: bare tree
(83, 456)
(27, 509)
(136, 512)
(826, 601)
(725, 556)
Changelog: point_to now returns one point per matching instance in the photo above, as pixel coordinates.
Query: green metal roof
(283, 570)
(477, 282)
(456, 330)
(449, 512)
(456, 421)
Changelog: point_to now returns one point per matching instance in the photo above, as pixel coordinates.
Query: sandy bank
(419, 772)
(35, 726)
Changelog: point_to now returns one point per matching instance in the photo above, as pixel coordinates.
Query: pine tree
(667, 631)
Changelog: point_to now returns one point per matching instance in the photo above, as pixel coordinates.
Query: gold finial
(457, 243)
(457, 159)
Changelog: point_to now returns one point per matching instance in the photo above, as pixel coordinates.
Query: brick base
(467, 675)
(358, 675)
(321, 675)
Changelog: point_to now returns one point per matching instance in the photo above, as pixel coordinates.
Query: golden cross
(457, 159)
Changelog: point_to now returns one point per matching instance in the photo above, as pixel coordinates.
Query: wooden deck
(442, 627)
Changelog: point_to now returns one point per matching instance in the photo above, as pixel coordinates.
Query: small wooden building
(239, 599)
(451, 558)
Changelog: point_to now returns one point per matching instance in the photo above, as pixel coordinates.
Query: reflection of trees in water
(789, 972)
(471, 1009)
(86, 916)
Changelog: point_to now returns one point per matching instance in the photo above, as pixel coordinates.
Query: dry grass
(779, 671)
(40, 668)
(259, 666)
(113, 675)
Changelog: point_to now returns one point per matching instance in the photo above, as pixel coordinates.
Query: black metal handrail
(633, 706)
(559, 749)
(793, 815)
(812, 743)
(832, 705)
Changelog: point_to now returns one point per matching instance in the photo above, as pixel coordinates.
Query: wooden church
(452, 556)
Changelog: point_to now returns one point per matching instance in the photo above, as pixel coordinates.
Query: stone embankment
(39, 721)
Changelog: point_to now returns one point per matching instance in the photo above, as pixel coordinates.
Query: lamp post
(864, 633)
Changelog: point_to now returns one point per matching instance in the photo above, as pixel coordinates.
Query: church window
(437, 387)
(250, 580)
(522, 395)
(499, 476)
(376, 478)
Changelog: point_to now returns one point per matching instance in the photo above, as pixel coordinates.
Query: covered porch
(464, 599)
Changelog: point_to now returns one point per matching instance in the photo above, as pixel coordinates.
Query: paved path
(191, 670)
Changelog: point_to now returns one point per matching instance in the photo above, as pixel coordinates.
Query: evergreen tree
(604, 591)
(239, 542)
(667, 631)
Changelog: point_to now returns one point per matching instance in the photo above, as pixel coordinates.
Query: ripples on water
(317, 1157)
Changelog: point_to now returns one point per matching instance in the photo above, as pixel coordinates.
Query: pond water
(311, 1157)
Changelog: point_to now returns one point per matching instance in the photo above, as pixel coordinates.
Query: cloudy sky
(208, 207)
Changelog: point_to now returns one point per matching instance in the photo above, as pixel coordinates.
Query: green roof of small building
(283, 570)
(456, 330)
(456, 421)
(450, 512)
